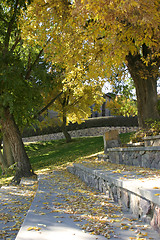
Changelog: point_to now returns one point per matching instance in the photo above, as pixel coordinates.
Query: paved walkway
(64, 207)
(15, 202)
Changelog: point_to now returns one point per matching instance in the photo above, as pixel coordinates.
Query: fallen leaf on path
(33, 228)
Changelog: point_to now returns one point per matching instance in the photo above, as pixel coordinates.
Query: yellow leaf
(157, 194)
(124, 227)
(33, 228)
(144, 234)
(117, 171)
(15, 229)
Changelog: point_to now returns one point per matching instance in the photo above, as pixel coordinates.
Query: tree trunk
(64, 130)
(7, 153)
(11, 131)
(3, 161)
(145, 79)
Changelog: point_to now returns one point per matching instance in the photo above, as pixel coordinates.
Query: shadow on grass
(58, 152)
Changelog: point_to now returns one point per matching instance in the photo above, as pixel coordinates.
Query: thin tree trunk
(64, 130)
(11, 131)
(145, 79)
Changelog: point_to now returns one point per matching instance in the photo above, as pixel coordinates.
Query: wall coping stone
(152, 137)
(131, 149)
(138, 194)
(143, 187)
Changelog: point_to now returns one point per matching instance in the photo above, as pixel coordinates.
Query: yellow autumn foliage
(75, 102)
(98, 37)
(122, 106)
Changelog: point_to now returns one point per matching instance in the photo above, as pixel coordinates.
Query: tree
(66, 49)
(7, 153)
(74, 104)
(21, 79)
(106, 34)
(3, 161)
(128, 32)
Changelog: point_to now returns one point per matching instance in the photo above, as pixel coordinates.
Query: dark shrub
(112, 121)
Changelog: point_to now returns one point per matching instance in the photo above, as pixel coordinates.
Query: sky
(108, 88)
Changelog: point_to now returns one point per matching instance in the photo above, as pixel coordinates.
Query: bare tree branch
(48, 105)
(10, 25)
(18, 39)
(30, 67)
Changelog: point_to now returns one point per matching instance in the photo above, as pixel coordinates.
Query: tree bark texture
(145, 79)
(11, 131)
(64, 130)
(3, 161)
(7, 153)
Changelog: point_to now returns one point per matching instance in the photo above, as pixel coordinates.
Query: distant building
(103, 110)
(52, 114)
(102, 113)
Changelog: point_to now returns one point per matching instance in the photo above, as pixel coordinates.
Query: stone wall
(152, 140)
(147, 157)
(143, 204)
(98, 131)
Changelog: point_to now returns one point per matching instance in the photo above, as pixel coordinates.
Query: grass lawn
(47, 155)
(126, 137)
(58, 152)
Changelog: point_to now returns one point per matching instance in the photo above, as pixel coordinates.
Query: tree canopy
(74, 103)
(21, 68)
(101, 36)
(129, 33)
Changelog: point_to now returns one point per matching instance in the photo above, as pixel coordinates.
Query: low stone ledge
(135, 195)
(140, 187)
(133, 149)
(152, 140)
(138, 144)
(105, 157)
(147, 157)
